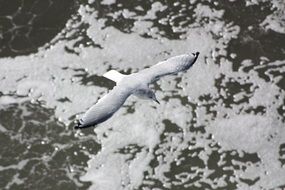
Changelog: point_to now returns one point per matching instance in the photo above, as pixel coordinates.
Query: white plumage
(137, 84)
(114, 76)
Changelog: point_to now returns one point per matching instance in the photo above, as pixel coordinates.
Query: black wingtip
(196, 56)
(78, 124)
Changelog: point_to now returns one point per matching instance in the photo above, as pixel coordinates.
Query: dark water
(221, 129)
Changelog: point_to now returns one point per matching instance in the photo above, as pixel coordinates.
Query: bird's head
(151, 95)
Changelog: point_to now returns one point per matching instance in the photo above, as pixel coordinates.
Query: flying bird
(136, 84)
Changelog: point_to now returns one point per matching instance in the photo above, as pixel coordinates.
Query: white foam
(233, 128)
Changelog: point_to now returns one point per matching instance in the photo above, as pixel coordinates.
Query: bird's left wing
(104, 108)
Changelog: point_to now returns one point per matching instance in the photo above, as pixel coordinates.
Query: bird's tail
(114, 76)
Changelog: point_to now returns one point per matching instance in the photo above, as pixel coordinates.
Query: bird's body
(136, 84)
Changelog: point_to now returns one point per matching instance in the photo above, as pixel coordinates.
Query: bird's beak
(156, 100)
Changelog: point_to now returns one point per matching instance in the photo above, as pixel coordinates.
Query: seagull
(134, 84)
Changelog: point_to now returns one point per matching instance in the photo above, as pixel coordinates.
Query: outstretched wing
(170, 66)
(104, 108)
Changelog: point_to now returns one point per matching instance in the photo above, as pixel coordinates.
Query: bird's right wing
(105, 107)
(159, 70)
(170, 66)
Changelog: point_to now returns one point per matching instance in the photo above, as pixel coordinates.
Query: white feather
(114, 76)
